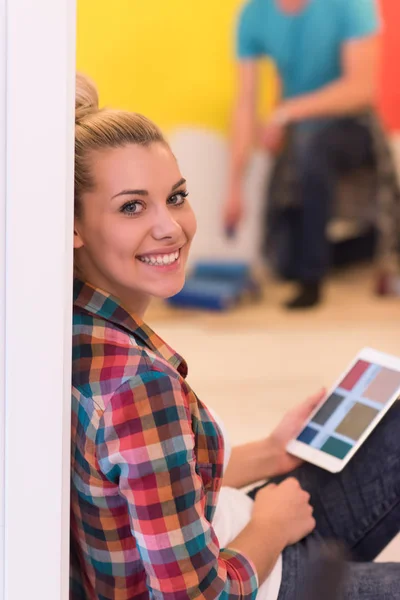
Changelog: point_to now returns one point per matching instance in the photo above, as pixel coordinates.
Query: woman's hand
(267, 458)
(285, 507)
(282, 515)
(281, 461)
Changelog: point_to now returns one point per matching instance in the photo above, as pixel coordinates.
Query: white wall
(2, 276)
(203, 159)
(39, 225)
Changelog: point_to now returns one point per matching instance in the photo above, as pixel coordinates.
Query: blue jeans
(358, 508)
(321, 151)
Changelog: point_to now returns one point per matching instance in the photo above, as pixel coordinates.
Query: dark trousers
(320, 152)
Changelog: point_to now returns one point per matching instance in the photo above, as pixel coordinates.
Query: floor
(253, 363)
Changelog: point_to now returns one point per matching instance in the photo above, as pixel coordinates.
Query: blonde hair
(98, 129)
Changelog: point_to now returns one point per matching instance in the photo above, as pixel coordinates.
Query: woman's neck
(136, 303)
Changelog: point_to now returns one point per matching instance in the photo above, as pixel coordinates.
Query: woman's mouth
(160, 260)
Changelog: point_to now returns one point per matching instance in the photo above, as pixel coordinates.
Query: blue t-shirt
(305, 46)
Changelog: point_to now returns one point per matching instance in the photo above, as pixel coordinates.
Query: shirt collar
(107, 307)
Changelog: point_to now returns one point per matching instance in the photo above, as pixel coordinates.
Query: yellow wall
(169, 59)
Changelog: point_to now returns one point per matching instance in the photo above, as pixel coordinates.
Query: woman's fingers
(311, 403)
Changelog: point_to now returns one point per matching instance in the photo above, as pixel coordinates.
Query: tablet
(350, 411)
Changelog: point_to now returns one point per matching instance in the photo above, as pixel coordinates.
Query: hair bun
(86, 98)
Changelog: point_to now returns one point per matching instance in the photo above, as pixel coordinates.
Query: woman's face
(134, 232)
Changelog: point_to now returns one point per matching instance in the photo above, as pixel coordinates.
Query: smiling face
(135, 227)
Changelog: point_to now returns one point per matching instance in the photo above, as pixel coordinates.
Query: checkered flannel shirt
(147, 461)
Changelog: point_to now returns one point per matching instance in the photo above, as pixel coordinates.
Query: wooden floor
(254, 362)
(348, 298)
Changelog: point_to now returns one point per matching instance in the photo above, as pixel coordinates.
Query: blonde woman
(148, 457)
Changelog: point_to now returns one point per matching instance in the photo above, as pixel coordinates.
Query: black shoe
(308, 296)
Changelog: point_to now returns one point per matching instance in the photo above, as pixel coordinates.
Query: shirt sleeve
(145, 445)
(361, 18)
(249, 38)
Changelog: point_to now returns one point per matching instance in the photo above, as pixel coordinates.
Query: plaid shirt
(147, 461)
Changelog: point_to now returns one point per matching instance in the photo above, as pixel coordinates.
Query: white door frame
(2, 276)
(38, 223)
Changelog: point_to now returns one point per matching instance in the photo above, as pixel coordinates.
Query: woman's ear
(78, 241)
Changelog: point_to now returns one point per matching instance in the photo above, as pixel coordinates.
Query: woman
(147, 455)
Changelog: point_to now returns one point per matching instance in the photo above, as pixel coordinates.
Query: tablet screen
(350, 409)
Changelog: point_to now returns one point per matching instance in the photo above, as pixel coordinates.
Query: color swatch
(328, 408)
(356, 421)
(383, 386)
(354, 375)
(307, 435)
(336, 447)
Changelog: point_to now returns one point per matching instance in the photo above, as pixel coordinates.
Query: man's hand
(272, 137)
(290, 426)
(233, 210)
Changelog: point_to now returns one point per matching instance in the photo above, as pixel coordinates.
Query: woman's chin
(169, 290)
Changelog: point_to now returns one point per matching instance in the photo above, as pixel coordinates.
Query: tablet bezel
(326, 461)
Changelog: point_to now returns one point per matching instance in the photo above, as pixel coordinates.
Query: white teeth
(166, 259)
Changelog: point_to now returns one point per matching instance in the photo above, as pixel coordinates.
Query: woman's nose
(165, 225)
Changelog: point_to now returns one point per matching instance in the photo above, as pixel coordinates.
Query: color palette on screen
(351, 408)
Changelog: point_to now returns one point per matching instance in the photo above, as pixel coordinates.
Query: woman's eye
(178, 199)
(132, 208)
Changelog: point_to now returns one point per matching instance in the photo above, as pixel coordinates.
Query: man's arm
(354, 91)
(242, 138)
(244, 119)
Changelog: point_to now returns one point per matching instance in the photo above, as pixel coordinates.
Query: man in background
(327, 56)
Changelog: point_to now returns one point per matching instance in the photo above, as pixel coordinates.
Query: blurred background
(174, 62)
(249, 358)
